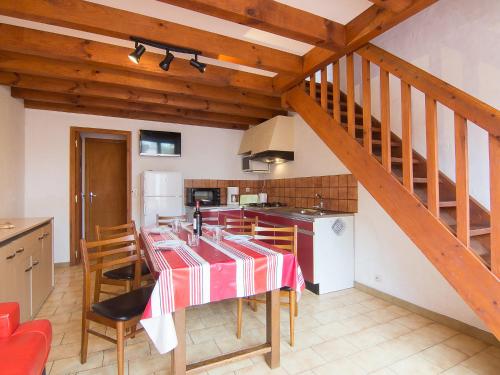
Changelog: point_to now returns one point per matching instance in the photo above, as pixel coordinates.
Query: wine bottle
(197, 220)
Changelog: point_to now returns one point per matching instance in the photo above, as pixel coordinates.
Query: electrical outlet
(378, 278)
(247, 190)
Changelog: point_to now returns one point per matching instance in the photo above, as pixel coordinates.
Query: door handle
(28, 269)
(92, 196)
(12, 256)
(20, 250)
(36, 263)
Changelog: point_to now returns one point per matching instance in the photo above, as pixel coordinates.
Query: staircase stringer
(473, 281)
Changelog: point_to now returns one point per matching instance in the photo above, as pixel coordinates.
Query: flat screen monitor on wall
(157, 143)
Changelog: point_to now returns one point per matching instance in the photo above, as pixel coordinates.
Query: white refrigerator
(162, 194)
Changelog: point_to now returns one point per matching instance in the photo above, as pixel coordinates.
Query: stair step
(360, 127)
(475, 230)
(416, 180)
(379, 142)
(396, 160)
(447, 204)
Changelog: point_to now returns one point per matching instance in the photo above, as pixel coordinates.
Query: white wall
(452, 40)
(11, 155)
(206, 153)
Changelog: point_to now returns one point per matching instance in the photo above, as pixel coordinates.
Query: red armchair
(24, 348)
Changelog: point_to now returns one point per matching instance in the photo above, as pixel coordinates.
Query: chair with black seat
(286, 239)
(122, 312)
(119, 276)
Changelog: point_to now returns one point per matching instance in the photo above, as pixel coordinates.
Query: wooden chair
(164, 220)
(240, 225)
(122, 312)
(286, 239)
(121, 276)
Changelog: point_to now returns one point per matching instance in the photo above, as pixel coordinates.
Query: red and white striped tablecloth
(189, 276)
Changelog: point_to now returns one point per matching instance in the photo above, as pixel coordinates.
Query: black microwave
(206, 196)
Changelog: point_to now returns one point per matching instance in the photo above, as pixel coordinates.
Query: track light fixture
(138, 52)
(165, 63)
(135, 56)
(197, 64)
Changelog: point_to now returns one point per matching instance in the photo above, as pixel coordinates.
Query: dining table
(218, 268)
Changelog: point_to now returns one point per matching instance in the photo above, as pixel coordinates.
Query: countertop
(290, 212)
(21, 225)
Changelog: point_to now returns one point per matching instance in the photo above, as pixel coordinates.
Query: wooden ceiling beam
(100, 90)
(112, 112)
(44, 67)
(369, 24)
(394, 5)
(95, 18)
(67, 48)
(51, 97)
(273, 17)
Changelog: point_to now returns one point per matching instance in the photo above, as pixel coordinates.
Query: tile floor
(347, 332)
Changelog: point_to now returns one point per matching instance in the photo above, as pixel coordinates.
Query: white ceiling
(341, 11)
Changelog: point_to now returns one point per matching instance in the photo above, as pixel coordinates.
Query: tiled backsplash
(339, 192)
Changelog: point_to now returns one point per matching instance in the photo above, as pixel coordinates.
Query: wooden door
(105, 184)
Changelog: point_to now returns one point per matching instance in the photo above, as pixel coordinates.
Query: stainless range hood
(270, 142)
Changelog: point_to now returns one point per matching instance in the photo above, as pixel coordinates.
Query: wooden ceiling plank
(273, 17)
(100, 19)
(39, 66)
(112, 112)
(369, 24)
(57, 46)
(51, 97)
(394, 5)
(99, 90)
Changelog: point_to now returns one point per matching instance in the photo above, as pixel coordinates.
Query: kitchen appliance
(247, 199)
(161, 195)
(270, 142)
(254, 166)
(206, 196)
(233, 195)
(262, 197)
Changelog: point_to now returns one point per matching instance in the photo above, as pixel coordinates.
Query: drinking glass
(193, 239)
(176, 225)
(217, 234)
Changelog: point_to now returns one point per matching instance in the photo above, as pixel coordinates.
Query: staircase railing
(465, 107)
(330, 113)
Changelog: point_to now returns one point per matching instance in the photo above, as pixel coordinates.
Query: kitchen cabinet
(26, 265)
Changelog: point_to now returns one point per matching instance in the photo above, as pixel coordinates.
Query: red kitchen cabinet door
(305, 255)
(210, 217)
(235, 214)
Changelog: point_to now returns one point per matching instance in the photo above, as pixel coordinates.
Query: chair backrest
(241, 225)
(107, 233)
(106, 254)
(164, 220)
(285, 238)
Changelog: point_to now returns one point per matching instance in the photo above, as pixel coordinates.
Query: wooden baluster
(367, 106)
(324, 89)
(385, 118)
(462, 179)
(495, 203)
(303, 85)
(432, 156)
(407, 144)
(336, 92)
(351, 120)
(312, 86)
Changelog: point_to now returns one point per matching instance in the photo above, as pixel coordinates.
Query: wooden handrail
(480, 113)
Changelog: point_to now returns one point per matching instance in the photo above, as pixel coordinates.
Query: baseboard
(439, 318)
(312, 287)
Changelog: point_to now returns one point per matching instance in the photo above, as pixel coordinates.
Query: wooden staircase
(456, 233)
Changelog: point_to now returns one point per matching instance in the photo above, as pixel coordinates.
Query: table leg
(273, 327)
(179, 353)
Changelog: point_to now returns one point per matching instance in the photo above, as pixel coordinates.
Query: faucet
(321, 203)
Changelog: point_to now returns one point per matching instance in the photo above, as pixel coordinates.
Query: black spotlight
(197, 64)
(165, 63)
(136, 55)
